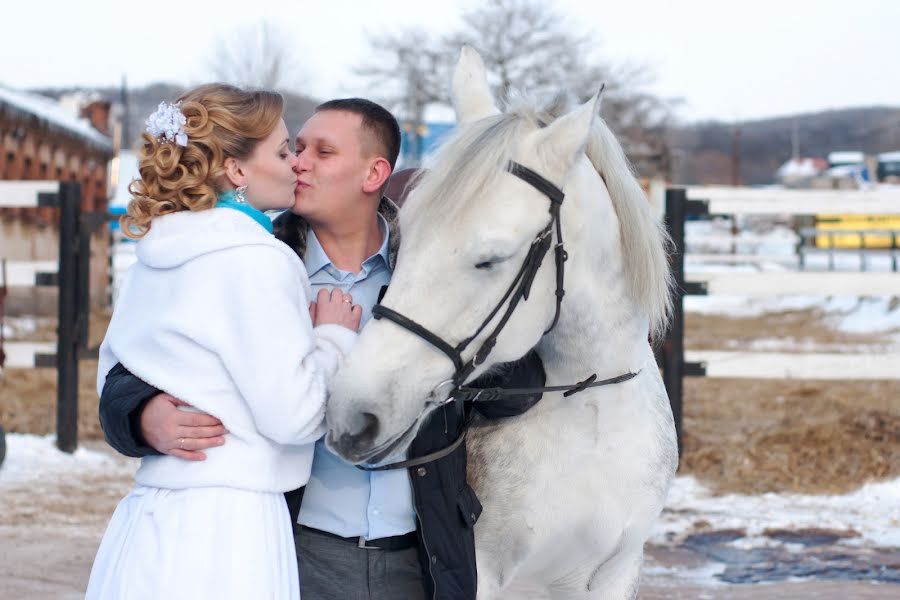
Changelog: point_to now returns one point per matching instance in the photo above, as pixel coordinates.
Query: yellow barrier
(856, 227)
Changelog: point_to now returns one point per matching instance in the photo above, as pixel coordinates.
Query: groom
(399, 534)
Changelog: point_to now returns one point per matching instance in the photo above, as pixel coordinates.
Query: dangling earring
(240, 194)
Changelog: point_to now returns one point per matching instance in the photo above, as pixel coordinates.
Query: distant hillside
(702, 152)
(142, 101)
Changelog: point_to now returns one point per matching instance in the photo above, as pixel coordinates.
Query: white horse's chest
(586, 450)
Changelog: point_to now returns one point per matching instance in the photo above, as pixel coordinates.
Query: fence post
(673, 364)
(68, 334)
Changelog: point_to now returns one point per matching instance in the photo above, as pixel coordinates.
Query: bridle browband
(518, 291)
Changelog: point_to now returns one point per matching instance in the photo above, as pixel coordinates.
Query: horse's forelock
(467, 164)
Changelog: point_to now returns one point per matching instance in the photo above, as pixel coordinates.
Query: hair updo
(223, 121)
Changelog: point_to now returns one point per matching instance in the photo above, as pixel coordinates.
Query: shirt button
(376, 511)
(433, 558)
(422, 471)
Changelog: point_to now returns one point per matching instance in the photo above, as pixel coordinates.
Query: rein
(518, 291)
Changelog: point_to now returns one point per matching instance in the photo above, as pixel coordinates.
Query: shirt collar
(315, 258)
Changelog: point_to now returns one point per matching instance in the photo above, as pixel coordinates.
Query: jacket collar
(291, 229)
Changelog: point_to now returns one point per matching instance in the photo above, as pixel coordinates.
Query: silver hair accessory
(240, 194)
(167, 124)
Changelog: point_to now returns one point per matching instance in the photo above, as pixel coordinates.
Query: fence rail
(790, 365)
(789, 283)
(29, 273)
(28, 194)
(765, 201)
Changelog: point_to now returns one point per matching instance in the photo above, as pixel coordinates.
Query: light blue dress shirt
(340, 498)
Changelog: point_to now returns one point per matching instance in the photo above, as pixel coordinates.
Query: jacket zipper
(424, 542)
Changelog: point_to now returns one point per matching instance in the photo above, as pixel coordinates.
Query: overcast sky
(727, 60)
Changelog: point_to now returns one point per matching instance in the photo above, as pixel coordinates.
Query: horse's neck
(601, 330)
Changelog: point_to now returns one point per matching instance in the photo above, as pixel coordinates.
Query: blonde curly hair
(223, 121)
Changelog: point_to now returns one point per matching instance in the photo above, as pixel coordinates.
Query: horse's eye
(484, 265)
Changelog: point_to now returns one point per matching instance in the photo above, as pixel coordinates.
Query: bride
(216, 311)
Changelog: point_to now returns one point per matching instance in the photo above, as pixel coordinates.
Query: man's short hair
(375, 119)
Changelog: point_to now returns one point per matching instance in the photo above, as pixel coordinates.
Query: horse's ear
(472, 96)
(559, 143)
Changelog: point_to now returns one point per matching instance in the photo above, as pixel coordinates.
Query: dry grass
(28, 396)
(754, 436)
(801, 327)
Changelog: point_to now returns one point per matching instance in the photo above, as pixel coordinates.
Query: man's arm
(140, 420)
(527, 372)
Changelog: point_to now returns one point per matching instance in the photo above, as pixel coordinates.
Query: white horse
(571, 488)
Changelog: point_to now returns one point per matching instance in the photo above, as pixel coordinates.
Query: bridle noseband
(518, 290)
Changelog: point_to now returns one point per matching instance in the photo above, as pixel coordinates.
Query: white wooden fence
(752, 201)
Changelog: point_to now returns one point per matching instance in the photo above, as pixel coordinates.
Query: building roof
(846, 156)
(54, 116)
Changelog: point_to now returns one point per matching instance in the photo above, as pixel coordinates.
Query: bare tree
(411, 73)
(527, 47)
(260, 55)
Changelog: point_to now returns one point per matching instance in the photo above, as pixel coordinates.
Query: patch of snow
(706, 574)
(869, 315)
(36, 457)
(873, 512)
(22, 326)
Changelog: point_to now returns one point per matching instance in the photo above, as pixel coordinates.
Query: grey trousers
(332, 569)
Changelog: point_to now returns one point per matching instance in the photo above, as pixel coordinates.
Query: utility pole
(736, 155)
(123, 98)
(795, 140)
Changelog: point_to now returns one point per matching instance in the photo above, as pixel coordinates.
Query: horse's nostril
(365, 430)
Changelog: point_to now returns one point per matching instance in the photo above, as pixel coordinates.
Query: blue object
(227, 200)
(418, 141)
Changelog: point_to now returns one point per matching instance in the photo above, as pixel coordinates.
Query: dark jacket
(446, 506)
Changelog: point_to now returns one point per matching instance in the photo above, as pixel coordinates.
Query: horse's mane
(477, 154)
(645, 243)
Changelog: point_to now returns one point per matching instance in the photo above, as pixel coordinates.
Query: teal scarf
(227, 200)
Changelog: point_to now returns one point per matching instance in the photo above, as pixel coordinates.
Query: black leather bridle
(518, 291)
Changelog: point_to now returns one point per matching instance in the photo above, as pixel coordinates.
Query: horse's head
(468, 228)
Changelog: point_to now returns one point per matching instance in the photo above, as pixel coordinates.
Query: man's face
(331, 167)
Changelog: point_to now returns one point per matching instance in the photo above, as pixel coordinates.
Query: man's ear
(234, 172)
(376, 178)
